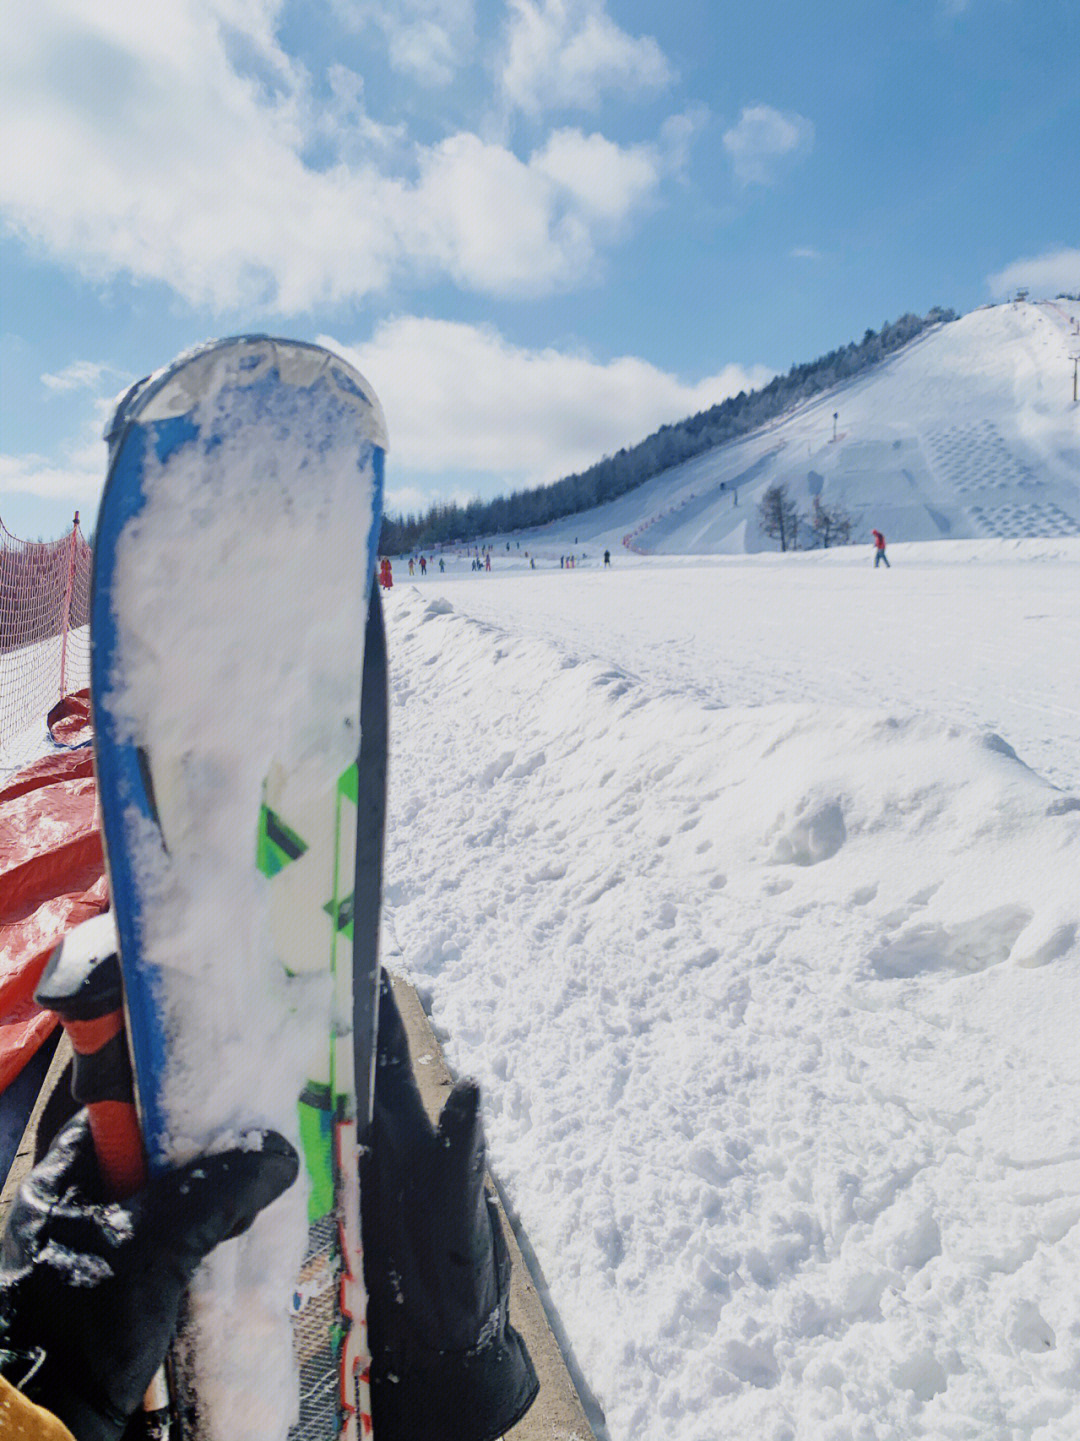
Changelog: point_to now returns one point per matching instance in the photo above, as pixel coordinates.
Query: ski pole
(82, 985)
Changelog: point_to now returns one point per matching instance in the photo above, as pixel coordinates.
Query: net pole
(65, 621)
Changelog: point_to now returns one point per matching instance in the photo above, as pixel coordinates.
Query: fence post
(66, 619)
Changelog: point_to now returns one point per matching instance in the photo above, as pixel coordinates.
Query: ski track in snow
(764, 948)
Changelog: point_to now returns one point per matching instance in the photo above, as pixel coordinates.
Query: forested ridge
(670, 445)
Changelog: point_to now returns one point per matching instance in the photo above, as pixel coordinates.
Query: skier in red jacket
(386, 575)
(879, 549)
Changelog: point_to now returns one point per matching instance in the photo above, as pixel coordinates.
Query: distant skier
(607, 557)
(442, 565)
(487, 561)
(386, 575)
(423, 565)
(879, 549)
(412, 566)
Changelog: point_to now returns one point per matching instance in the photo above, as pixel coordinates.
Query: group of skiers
(480, 561)
(566, 562)
(423, 564)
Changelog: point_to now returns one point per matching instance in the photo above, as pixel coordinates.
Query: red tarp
(52, 876)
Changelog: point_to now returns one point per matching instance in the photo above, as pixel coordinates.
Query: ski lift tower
(1022, 294)
(1074, 356)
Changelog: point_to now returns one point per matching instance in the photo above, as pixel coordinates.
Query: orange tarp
(52, 876)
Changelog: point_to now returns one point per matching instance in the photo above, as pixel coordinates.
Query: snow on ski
(233, 570)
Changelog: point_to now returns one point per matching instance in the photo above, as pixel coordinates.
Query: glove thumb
(211, 1199)
(458, 1179)
(460, 1131)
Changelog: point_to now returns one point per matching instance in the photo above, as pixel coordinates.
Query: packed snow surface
(748, 889)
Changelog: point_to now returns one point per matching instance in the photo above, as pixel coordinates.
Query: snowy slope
(764, 945)
(968, 432)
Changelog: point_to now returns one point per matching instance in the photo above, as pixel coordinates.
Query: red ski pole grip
(102, 1082)
(82, 985)
(114, 1126)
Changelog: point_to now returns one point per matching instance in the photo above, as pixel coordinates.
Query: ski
(239, 692)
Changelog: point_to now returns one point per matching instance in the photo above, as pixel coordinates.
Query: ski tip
(242, 360)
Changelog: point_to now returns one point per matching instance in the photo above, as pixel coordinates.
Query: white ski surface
(765, 952)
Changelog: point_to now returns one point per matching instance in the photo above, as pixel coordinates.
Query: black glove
(445, 1360)
(90, 1289)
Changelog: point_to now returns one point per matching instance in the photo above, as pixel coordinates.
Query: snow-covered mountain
(970, 431)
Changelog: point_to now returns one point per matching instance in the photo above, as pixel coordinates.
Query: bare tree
(778, 517)
(831, 523)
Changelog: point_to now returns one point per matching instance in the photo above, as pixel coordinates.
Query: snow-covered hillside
(732, 883)
(971, 431)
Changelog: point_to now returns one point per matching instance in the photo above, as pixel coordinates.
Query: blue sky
(540, 227)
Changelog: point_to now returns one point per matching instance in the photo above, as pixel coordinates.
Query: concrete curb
(24, 1156)
(557, 1414)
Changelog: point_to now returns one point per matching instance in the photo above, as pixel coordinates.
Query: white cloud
(497, 224)
(81, 375)
(606, 181)
(1054, 273)
(565, 54)
(354, 136)
(76, 469)
(762, 138)
(677, 132)
(35, 475)
(805, 252)
(427, 39)
(169, 143)
(462, 397)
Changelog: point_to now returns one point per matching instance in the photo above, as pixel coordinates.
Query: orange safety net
(52, 876)
(44, 625)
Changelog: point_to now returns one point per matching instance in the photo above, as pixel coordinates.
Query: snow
(747, 888)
